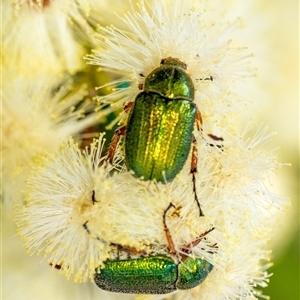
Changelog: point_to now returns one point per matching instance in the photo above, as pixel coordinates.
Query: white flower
(37, 116)
(33, 278)
(87, 207)
(103, 12)
(52, 219)
(177, 29)
(232, 181)
(76, 228)
(38, 37)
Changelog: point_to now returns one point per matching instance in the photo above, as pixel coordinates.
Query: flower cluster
(78, 208)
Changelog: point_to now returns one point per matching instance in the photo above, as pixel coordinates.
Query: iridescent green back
(147, 275)
(159, 136)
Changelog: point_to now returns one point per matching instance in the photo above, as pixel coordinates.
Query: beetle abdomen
(159, 136)
(147, 275)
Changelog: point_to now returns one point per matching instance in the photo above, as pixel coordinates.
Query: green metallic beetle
(159, 130)
(154, 274)
(158, 274)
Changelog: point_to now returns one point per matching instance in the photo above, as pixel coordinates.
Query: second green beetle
(158, 274)
(155, 274)
(159, 130)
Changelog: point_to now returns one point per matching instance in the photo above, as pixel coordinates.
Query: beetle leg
(187, 248)
(193, 172)
(127, 107)
(93, 197)
(210, 78)
(141, 85)
(216, 138)
(57, 267)
(167, 231)
(115, 140)
(212, 136)
(198, 120)
(195, 160)
(118, 133)
(86, 227)
(129, 250)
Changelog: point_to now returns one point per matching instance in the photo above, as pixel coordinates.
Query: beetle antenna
(193, 172)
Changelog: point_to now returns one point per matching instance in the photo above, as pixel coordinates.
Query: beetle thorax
(170, 80)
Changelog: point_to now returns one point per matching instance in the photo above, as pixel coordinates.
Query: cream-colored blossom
(37, 116)
(124, 210)
(161, 29)
(66, 202)
(38, 37)
(69, 190)
(31, 277)
(106, 12)
(82, 224)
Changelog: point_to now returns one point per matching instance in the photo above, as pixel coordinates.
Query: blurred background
(274, 40)
(280, 83)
